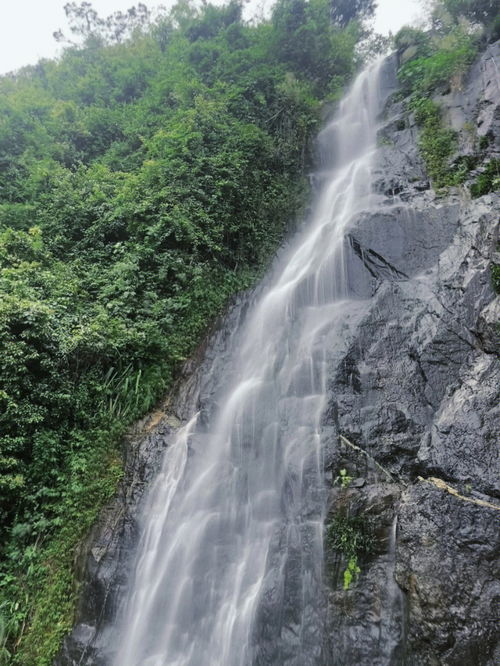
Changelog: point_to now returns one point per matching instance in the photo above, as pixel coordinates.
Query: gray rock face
(102, 565)
(475, 105)
(412, 419)
(447, 568)
(418, 393)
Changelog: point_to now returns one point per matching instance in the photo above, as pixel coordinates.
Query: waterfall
(228, 570)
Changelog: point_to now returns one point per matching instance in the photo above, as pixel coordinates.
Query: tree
(482, 11)
(344, 11)
(85, 22)
(310, 43)
(446, 13)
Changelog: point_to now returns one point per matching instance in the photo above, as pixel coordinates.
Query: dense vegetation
(145, 177)
(434, 62)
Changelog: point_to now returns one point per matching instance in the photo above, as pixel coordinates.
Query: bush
(437, 144)
(488, 181)
(424, 74)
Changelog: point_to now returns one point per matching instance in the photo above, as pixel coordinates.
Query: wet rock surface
(412, 420)
(447, 565)
(418, 394)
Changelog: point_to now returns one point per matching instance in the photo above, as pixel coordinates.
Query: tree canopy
(145, 177)
(85, 23)
(344, 11)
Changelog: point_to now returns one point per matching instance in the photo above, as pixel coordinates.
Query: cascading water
(229, 567)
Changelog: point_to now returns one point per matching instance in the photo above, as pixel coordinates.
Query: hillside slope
(411, 430)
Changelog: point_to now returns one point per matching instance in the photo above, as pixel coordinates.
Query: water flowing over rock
(370, 351)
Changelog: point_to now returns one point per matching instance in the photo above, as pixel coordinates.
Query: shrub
(488, 181)
(351, 537)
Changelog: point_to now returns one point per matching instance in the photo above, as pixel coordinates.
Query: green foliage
(344, 479)
(351, 572)
(488, 181)
(484, 12)
(305, 39)
(435, 62)
(415, 39)
(41, 595)
(484, 141)
(495, 277)
(351, 537)
(437, 143)
(146, 176)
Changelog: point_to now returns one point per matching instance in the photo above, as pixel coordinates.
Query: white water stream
(229, 566)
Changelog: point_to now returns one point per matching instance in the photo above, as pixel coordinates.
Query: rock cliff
(411, 431)
(415, 401)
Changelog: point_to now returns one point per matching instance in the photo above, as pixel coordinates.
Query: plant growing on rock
(351, 572)
(435, 62)
(344, 479)
(351, 537)
(488, 181)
